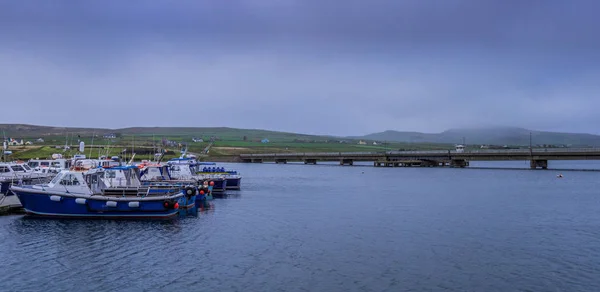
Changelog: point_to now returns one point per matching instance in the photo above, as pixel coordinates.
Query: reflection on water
(331, 228)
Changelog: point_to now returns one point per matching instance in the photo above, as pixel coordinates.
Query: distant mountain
(488, 136)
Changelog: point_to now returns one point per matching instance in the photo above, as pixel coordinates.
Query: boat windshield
(33, 163)
(56, 179)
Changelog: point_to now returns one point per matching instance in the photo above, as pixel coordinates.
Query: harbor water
(298, 227)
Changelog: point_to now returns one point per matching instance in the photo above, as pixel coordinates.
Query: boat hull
(55, 205)
(234, 183)
(4, 187)
(220, 185)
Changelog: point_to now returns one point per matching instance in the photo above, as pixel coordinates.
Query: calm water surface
(332, 228)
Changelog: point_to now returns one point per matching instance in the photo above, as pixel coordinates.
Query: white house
(15, 142)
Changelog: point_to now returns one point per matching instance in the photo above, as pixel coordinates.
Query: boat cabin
(460, 148)
(11, 169)
(49, 165)
(182, 168)
(119, 176)
(155, 172)
(67, 181)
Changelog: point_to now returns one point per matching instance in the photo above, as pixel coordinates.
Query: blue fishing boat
(210, 170)
(157, 176)
(186, 168)
(85, 194)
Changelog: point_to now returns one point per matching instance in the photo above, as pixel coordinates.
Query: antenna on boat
(131, 160)
(162, 154)
(4, 146)
(132, 148)
(92, 144)
(66, 142)
(153, 148)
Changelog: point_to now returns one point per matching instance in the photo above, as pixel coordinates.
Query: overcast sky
(340, 67)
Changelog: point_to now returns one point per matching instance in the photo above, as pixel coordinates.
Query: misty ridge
(492, 135)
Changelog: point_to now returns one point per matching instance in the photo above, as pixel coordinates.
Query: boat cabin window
(33, 163)
(92, 179)
(4, 169)
(110, 174)
(26, 167)
(69, 180)
(17, 168)
(45, 163)
(153, 171)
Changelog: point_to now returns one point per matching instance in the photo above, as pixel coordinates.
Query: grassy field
(219, 149)
(228, 142)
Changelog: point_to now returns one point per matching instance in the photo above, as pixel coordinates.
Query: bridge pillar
(346, 161)
(284, 161)
(310, 161)
(257, 160)
(543, 164)
(459, 163)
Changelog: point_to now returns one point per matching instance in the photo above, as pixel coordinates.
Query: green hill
(23, 131)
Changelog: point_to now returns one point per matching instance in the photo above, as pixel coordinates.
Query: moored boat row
(108, 188)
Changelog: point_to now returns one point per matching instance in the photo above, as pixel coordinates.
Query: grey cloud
(324, 67)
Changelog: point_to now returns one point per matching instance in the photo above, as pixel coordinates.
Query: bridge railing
(312, 154)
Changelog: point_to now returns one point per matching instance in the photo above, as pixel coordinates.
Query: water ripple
(322, 228)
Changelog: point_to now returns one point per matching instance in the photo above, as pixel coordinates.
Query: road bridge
(538, 158)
